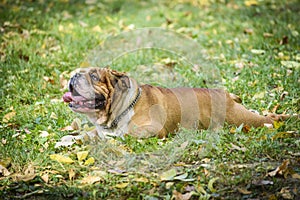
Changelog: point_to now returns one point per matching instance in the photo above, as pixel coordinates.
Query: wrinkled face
(91, 91)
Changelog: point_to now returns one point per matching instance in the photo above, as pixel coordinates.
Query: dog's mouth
(79, 103)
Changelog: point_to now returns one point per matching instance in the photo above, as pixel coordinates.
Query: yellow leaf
(259, 95)
(82, 155)
(97, 28)
(89, 161)
(278, 124)
(121, 185)
(251, 3)
(141, 179)
(53, 116)
(61, 159)
(60, 28)
(8, 116)
(85, 64)
(258, 51)
(168, 175)
(210, 184)
(90, 179)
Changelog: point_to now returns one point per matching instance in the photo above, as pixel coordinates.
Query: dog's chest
(119, 130)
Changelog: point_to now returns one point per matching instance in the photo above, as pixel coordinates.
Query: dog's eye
(94, 77)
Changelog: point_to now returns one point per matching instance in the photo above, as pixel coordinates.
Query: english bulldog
(118, 105)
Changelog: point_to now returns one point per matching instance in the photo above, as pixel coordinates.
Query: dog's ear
(120, 79)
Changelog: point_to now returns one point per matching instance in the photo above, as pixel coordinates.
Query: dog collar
(115, 122)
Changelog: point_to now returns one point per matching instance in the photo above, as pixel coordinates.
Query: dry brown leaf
(244, 191)
(235, 147)
(286, 193)
(248, 31)
(296, 176)
(71, 174)
(178, 196)
(67, 128)
(281, 170)
(4, 171)
(63, 80)
(28, 175)
(45, 178)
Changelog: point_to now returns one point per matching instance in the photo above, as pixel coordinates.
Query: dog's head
(92, 91)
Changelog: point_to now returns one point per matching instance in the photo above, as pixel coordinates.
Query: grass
(254, 47)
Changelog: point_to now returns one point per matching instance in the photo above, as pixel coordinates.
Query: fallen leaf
(85, 64)
(28, 175)
(90, 179)
(183, 177)
(89, 161)
(287, 134)
(262, 182)
(68, 140)
(122, 185)
(7, 117)
(258, 51)
(286, 193)
(82, 155)
(168, 175)
(53, 116)
(178, 196)
(96, 29)
(266, 35)
(4, 171)
(259, 95)
(249, 3)
(210, 184)
(248, 31)
(142, 180)
(44, 134)
(244, 191)
(3, 141)
(67, 128)
(278, 124)
(281, 170)
(61, 159)
(290, 64)
(71, 174)
(76, 124)
(296, 176)
(235, 147)
(45, 178)
(246, 128)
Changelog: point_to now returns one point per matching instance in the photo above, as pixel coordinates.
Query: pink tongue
(67, 97)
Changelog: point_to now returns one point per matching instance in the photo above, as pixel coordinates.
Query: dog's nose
(73, 81)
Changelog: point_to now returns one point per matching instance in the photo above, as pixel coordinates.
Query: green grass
(41, 40)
